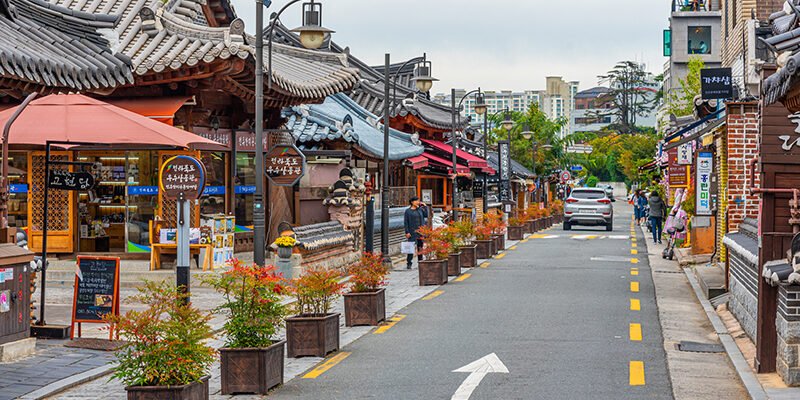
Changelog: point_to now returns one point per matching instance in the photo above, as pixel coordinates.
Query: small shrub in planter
(465, 230)
(366, 302)
(515, 229)
(450, 235)
(251, 361)
(433, 267)
(484, 242)
(314, 331)
(165, 355)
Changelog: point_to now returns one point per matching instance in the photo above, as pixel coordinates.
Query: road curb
(749, 379)
(69, 383)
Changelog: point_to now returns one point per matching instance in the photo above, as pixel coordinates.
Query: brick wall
(742, 146)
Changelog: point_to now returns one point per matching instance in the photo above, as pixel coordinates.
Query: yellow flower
(285, 241)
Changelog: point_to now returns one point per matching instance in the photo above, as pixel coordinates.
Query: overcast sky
(496, 44)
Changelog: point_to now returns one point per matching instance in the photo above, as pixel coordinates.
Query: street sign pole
(183, 250)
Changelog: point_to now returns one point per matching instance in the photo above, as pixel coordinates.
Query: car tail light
(571, 201)
(604, 201)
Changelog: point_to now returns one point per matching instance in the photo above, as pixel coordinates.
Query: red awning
(441, 162)
(472, 160)
(161, 109)
(417, 162)
(78, 118)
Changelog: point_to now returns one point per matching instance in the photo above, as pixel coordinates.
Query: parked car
(590, 207)
(609, 192)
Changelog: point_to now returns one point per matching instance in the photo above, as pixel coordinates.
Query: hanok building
(187, 63)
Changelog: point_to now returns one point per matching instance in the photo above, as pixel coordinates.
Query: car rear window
(588, 194)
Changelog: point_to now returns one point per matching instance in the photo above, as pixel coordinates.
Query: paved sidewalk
(402, 290)
(694, 376)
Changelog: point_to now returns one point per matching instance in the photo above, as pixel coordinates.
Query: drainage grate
(695, 347)
(668, 272)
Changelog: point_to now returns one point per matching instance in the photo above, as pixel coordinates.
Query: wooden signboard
(66, 180)
(284, 165)
(96, 291)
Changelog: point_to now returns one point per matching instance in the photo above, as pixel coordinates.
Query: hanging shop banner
(284, 165)
(705, 166)
(505, 170)
(677, 175)
(66, 180)
(685, 152)
(182, 175)
(716, 83)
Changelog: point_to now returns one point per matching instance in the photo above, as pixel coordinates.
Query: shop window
(18, 196)
(214, 200)
(142, 199)
(699, 40)
(245, 186)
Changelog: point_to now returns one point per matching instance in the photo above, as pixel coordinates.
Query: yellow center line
(433, 295)
(635, 287)
(325, 366)
(636, 332)
(389, 324)
(634, 251)
(463, 277)
(485, 265)
(634, 245)
(635, 271)
(524, 241)
(633, 240)
(636, 373)
(513, 248)
(636, 305)
(634, 260)
(499, 256)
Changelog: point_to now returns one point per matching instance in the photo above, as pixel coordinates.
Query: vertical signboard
(685, 154)
(705, 166)
(504, 155)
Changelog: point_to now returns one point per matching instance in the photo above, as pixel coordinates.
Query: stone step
(711, 279)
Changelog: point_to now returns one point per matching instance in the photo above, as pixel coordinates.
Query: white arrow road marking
(477, 371)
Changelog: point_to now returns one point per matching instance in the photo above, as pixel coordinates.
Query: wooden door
(61, 207)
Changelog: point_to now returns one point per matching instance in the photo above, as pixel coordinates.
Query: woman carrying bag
(415, 217)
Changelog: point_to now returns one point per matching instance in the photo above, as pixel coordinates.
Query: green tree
(626, 81)
(680, 102)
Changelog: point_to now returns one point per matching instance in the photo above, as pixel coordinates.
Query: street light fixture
(422, 76)
(508, 124)
(312, 35)
(480, 109)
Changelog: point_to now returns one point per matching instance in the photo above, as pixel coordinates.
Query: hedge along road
(562, 323)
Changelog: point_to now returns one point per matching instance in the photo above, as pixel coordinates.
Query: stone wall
(788, 325)
(743, 303)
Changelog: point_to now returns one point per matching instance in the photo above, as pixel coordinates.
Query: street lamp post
(480, 109)
(312, 36)
(423, 81)
(529, 135)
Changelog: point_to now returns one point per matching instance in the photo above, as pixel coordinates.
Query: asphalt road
(556, 311)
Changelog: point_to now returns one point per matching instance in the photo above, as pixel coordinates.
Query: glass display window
(18, 193)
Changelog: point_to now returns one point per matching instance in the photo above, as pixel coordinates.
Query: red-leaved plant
(315, 291)
(483, 232)
(166, 342)
(436, 247)
(252, 304)
(368, 274)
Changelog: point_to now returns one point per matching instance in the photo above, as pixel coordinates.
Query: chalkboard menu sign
(96, 289)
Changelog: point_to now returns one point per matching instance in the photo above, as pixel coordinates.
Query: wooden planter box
(432, 272)
(531, 226)
(540, 225)
(516, 232)
(308, 335)
(251, 371)
(368, 308)
(496, 240)
(191, 391)
(469, 258)
(483, 249)
(454, 264)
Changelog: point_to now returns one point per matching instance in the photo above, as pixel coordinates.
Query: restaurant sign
(716, 83)
(182, 176)
(705, 165)
(66, 180)
(504, 153)
(284, 165)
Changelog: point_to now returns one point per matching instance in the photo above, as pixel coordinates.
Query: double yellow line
(635, 367)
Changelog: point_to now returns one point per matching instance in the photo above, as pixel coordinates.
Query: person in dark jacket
(658, 211)
(416, 216)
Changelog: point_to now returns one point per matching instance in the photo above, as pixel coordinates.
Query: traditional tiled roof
(517, 169)
(158, 36)
(44, 44)
(323, 235)
(785, 30)
(341, 118)
(369, 93)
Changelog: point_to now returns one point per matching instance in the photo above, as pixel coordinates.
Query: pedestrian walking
(658, 211)
(415, 217)
(642, 202)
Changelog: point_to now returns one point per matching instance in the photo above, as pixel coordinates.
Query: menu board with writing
(96, 289)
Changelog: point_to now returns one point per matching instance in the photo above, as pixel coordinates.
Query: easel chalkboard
(96, 291)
